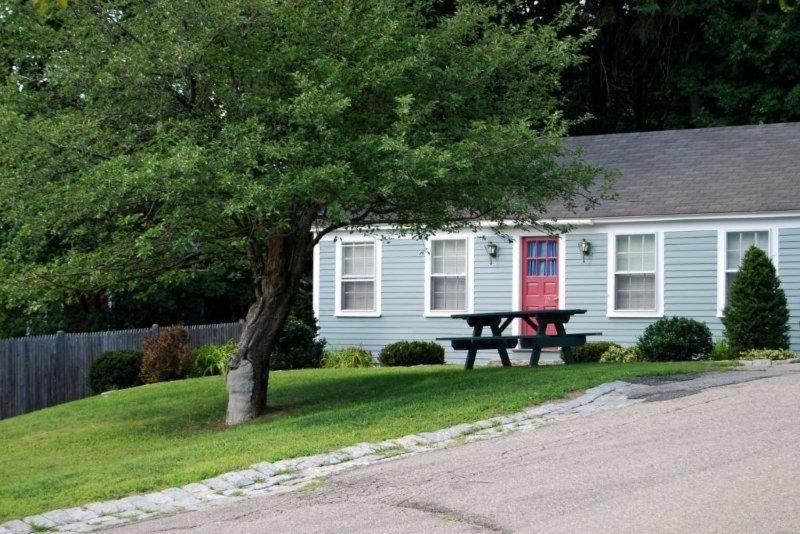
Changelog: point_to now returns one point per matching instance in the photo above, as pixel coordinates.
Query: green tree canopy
(141, 141)
(660, 64)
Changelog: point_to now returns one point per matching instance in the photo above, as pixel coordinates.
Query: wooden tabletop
(517, 314)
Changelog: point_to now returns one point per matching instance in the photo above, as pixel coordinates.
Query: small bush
(757, 316)
(166, 356)
(407, 353)
(117, 369)
(721, 350)
(768, 354)
(297, 346)
(617, 354)
(589, 352)
(348, 358)
(675, 339)
(210, 360)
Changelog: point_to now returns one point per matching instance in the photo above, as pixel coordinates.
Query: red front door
(539, 276)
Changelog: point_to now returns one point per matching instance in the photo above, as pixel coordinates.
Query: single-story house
(690, 203)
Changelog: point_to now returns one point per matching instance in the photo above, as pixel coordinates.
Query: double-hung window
(358, 269)
(736, 246)
(635, 275)
(448, 276)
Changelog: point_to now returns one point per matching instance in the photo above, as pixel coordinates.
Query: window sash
(635, 270)
(358, 261)
(449, 257)
(738, 243)
(736, 246)
(357, 285)
(448, 275)
(448, 293)
(358, 295)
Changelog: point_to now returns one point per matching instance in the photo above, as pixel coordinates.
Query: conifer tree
(757, 316)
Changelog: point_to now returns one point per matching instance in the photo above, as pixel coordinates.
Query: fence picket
(41, 371)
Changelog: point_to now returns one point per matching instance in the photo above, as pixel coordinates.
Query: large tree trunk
(249, 370)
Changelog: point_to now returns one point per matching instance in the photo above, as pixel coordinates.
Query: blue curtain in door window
(551, 248)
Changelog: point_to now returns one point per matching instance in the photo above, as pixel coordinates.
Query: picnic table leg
(473, 351)
(536, 353)
(501, 347)
(567, 350)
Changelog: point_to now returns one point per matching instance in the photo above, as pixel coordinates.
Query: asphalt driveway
(699, 459)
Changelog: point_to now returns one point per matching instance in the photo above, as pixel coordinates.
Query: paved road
(724, 459)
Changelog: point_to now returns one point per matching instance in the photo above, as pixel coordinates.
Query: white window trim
(722, 255)
(378, 259)
(611, 264)
(315, 287)
(470, 285)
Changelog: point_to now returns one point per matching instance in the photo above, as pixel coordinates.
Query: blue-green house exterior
(691, 237)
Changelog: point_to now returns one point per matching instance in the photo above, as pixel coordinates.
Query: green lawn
(169, 434)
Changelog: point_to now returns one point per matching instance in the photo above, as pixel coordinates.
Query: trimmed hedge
(675, 339)
(589, 352)
(408, 353)
(619, 354)
(117, 369)
(768, 354)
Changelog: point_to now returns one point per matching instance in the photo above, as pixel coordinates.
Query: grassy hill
(168, 434)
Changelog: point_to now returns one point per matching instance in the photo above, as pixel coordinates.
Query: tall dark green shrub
(756, 316)
(298, 346)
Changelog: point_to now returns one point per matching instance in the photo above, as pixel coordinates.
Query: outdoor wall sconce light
(585, 249)
(491, 251)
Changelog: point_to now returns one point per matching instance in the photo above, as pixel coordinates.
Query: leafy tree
(756, 316)
(659, 64)
(142, 142)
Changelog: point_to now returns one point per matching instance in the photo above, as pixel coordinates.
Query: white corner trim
(611, 267)
(722, 253)
(377, 266)
(315, 288)
(470, 274)
(562, 272)
(516, 281)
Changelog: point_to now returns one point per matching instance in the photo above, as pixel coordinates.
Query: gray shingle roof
(734, 169)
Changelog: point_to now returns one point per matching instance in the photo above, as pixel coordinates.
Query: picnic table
(498, 322)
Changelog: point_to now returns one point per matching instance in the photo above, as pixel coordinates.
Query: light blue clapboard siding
(402, 295)
(690, 284)
(690, 289)
(789, 260)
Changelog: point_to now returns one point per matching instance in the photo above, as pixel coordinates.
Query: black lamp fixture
(585, 248)
(491, 251)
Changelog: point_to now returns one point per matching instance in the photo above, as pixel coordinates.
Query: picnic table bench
(497, 322)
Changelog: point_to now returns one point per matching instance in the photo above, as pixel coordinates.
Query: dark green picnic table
(498, 322)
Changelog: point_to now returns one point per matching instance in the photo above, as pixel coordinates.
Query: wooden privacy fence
(41, 371)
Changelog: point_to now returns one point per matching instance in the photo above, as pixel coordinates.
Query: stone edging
(307, 472)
